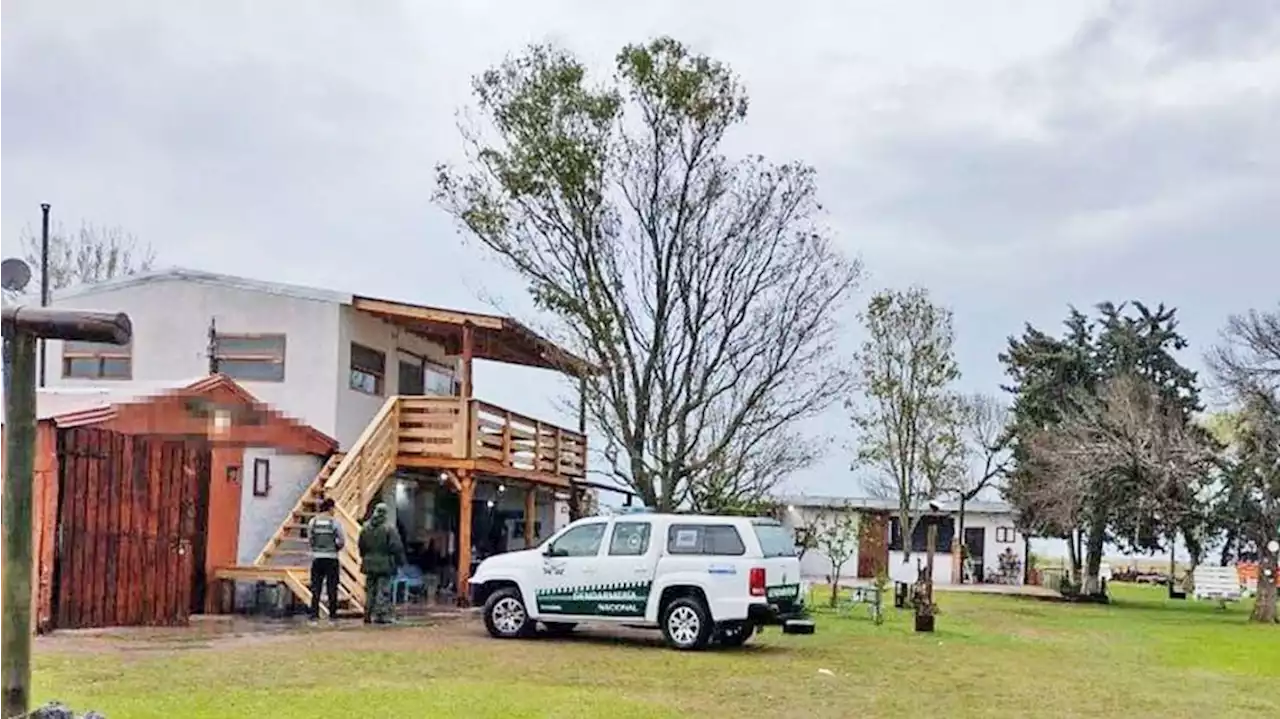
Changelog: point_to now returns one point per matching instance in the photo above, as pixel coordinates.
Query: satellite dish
(14, 274)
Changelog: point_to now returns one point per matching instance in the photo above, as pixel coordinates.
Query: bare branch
(91, 254)
(705, 288)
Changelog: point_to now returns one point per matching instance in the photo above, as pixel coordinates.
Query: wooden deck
(468, 439)
(454, 433)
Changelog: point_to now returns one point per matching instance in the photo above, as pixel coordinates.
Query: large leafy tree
(906, 416)
(704, 286)
(1056, 380)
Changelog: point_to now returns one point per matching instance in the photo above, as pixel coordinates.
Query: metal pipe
(112, 328)
(44, 275)
(19, 482)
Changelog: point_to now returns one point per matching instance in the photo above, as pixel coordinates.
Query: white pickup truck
(699, 578)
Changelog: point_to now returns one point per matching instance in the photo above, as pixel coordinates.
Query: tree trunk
(905, 531)
(1264, 606)
(1093, 559)
(964, 549)
(1073, 559)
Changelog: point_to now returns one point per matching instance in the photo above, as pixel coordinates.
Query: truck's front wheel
(505, 615)
(686, 624)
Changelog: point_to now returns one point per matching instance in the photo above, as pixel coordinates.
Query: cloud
(1013, 156)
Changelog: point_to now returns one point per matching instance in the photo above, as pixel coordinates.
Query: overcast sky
(1012, 156)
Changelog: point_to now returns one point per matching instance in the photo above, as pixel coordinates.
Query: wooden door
(132, 519)
(873, 545)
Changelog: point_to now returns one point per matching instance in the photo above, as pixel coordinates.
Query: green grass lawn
(991, 656)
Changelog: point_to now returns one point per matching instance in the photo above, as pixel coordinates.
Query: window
(1004, 535)
(368, 367)
(253, 358)
(410, 376)
(718, 539)
(440, 381)
(775, 540)
(261, 477)
(233, 474)
(920, 537)
(630, 539)
(581, 541)
(96, 360)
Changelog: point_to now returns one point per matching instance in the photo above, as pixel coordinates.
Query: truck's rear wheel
(686, 624)
(505, 615)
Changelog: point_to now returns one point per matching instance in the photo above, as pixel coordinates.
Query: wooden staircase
(352, 479)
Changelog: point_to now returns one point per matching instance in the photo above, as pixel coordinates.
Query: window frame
(441, 371)
(379, 376)
(551, 546)
(702, 550)
(645, 545)
(274, 357)
(233, 473)
(261, 477)
(1005, 535)
(100, 352)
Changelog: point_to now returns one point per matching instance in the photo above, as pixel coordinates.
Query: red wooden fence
(131, 529)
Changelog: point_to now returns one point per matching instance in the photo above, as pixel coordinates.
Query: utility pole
(23, 327)
(44, 274)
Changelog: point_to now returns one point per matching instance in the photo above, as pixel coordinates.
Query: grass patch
(992, 655)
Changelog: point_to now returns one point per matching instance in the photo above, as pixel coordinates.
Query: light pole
(44, 274)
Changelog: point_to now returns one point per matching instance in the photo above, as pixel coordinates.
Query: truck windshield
(775, 540)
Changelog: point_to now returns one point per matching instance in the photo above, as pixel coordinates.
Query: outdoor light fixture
(489, 504)
(502, 488)
(1273, 546)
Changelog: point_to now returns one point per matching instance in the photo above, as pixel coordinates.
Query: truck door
(627, 570)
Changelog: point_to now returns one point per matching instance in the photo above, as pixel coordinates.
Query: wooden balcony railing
(496, 438)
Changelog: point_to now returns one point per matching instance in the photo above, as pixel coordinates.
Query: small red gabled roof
(199, 396)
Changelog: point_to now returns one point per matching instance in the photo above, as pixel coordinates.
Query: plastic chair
(408, 581)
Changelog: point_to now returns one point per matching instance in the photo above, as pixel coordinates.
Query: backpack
(324, 535)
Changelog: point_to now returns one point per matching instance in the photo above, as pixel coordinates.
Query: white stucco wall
(992, 548)
(261, 516)
(171, 338)
(815, 565)
(355, 409)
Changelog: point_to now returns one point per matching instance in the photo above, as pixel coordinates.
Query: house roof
(80, 406)
(881, 504)
(498, 338)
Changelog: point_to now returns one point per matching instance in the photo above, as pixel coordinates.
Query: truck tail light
(756, 581)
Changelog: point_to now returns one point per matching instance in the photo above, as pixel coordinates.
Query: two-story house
(391, 381)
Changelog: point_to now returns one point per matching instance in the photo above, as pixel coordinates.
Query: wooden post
(22, 327)
(468, 353)
(530, 513)
(576, 490)
(466, 492)
(931, 546)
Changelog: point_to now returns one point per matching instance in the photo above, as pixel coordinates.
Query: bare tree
(1247, 365)
(91, 254)
(834, 532)
(704, 287)
(906, 414)
(1128, 437)
(985, 436)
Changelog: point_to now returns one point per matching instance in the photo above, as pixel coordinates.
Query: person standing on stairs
(324, 534)
(381, 554)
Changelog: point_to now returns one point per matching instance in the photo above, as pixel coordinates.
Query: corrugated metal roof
(189, 275)
(56, 401)
(886, 504)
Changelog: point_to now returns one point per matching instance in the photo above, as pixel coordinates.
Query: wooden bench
(862, 594)
(1216, 583)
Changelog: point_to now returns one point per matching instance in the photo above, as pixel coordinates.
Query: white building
(989, 533)
(329, 359)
